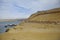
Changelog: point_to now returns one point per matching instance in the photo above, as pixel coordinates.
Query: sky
(12, 9)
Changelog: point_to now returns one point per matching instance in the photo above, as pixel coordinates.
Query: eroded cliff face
(44, 19)
(52, 14)
(43, 25)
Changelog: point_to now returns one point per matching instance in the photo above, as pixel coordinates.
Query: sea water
(3, 24)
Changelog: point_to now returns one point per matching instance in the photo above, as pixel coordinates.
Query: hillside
(45, 15)
(43, 25)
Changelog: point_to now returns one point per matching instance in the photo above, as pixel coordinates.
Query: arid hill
(41, 15)
(43, 25)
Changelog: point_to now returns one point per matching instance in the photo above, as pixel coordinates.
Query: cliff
(42, 25)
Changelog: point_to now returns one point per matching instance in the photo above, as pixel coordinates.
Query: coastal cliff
(42, 25)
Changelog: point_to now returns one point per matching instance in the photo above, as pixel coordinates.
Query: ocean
(3, 24)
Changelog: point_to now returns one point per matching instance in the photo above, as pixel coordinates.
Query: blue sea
(3, 24)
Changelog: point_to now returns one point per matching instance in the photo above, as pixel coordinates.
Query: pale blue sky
(11, 9)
